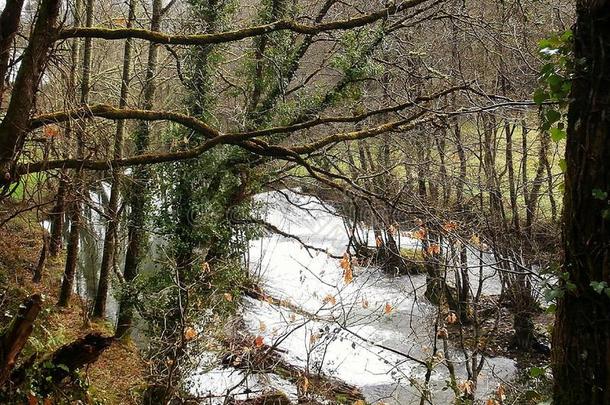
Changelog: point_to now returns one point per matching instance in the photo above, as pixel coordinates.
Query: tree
(581, 338)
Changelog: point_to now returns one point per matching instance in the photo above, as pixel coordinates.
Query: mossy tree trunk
(581, 338)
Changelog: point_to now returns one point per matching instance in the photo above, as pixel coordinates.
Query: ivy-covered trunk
(581, 340)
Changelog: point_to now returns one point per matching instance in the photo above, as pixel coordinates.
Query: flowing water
(364, 332)
(367, 332)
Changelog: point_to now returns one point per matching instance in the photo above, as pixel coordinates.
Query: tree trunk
(9, 24)
(112, 225)
(57, 217)
(42, 259)
(16, 335)
(75, 212)
(137, 196)
(581, 339)
(15, 124)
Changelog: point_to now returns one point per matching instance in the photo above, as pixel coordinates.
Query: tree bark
(581, 339)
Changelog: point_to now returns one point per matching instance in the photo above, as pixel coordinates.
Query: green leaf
(563, 165)
(536, 372)
(540, 96)
(599, 194)
(553, 115)
(557, 134)
(598, 286)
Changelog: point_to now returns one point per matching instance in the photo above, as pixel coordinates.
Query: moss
(414, 259)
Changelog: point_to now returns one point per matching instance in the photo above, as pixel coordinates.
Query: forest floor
(118, 375)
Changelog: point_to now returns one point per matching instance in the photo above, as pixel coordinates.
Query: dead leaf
(475, 240)
(329, 299)
(450, 226)
(500, 392)
(433, 249)
(442, 333)
(420, 234)
(388, 308)
(313, 338)
(467, 387)
(228, 297)
(50, 130)
(365, 303)
(346, 265)
(261, 326)
(451, 318)
(392, 230)
(259, 341)
(305, 385)
(378, 241)
(189, 334)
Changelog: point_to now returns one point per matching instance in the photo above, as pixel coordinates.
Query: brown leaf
(365, 303)
(329, 299)
(388, 308)
(228, 297)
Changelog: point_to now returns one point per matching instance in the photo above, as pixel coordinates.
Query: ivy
(554, 83)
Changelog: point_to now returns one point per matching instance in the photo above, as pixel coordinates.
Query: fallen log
(16, 335)
(74, 356)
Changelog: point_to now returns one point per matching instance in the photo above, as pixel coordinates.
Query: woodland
(305, 202)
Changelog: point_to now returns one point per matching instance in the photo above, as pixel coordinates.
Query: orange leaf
(420, 234)
(434, 249)
(305, 384)
(346, 265)
(388, 308)
(50, 130)
(258, 342)
(378, 241)
(189, 334)
(450, 226)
